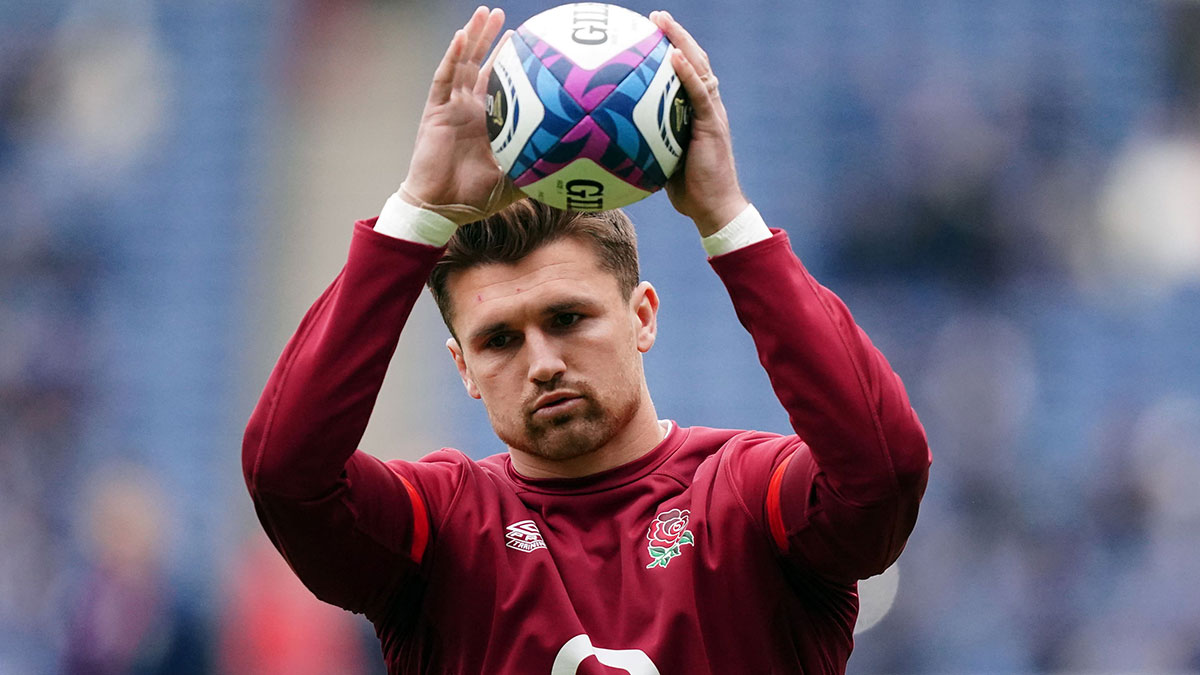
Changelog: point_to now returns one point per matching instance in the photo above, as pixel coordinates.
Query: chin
(561, 438)
(567, 439)
(570, 446)
(570, 436)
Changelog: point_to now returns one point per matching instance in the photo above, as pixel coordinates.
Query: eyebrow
(568, 305)
(489, 330)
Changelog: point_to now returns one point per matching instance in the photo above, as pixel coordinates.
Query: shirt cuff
(402, 220)
(748, 227)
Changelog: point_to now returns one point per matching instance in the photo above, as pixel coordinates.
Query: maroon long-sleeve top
(719, 551)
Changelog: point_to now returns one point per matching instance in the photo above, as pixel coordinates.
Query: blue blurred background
(1007, 195)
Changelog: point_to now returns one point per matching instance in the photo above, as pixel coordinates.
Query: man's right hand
(453, 171)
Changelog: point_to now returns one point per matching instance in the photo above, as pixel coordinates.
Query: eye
(566, 319)
(498, 341)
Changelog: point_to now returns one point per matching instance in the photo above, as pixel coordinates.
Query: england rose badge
(668, 531)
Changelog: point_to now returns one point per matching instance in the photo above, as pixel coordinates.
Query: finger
(443, 77)
(465, 77)
(481, 84)
(683, 40)
(475, 23)
(491, 27)
(475, 29)
(698, 92)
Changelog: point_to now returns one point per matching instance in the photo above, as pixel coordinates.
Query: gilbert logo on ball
(584, 109)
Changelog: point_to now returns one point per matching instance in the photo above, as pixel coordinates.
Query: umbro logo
(524, 536)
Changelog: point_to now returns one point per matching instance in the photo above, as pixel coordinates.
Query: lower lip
(559, 408)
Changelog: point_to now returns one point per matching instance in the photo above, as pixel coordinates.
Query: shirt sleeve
(352, 527)
(842, 498)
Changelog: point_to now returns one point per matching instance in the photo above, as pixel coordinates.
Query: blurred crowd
(88, 583)
(50, 260)
(1026, 254)
(1051, 293)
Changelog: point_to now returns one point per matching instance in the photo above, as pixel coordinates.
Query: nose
(545, 359)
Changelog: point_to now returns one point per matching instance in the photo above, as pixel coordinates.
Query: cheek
(502, 382)
(612, 358)
(616, 337)
(492, 377)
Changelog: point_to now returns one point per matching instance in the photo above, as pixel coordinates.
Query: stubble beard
(572, 434)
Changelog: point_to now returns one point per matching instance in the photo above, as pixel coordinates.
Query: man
(604, 540)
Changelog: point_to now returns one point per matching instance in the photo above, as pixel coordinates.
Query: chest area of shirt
(651, 541)
(629, 573)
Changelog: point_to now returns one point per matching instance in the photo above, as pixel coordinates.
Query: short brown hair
(523, 227)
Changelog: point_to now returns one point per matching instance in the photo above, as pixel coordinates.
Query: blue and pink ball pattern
(584, 109)
(589, 113)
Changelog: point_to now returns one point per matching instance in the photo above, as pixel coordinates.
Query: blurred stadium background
(1007, 194)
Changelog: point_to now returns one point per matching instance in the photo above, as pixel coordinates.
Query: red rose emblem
(666, 530)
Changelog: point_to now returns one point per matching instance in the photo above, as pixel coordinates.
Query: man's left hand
(706, 188)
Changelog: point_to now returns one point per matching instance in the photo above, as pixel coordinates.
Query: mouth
(556, 403)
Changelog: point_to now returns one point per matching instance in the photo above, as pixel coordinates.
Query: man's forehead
(558, 272)
(565, 259)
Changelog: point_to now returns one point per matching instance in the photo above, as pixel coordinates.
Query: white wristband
(747, 227)
(402, 220)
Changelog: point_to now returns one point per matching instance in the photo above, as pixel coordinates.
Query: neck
(637, 438)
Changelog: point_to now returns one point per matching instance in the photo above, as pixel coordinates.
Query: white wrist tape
(747, 227)
(402, 220)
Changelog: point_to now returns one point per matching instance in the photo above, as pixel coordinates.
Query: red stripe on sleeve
(420, 534)
(775, 507)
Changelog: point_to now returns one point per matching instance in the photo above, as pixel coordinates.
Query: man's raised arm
(353, 528)
(844, 501)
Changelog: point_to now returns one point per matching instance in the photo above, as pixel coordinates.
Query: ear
(461, 363)
(644, 305)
